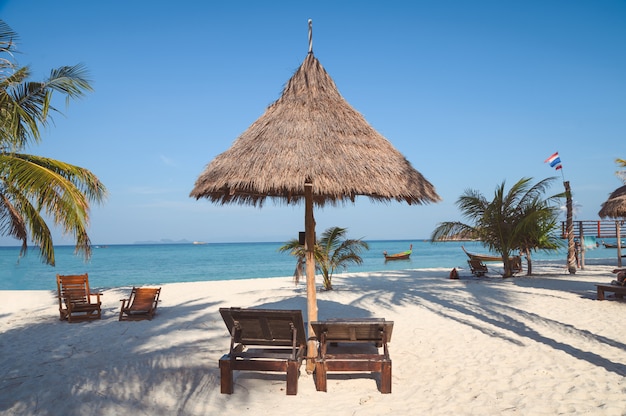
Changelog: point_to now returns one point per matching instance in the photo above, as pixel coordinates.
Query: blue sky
(473, 93)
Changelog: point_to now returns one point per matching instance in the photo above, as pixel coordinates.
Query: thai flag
(554, 161)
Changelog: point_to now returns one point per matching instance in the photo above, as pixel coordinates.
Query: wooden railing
(596, 228)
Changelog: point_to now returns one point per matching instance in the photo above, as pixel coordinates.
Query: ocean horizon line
(202, 242)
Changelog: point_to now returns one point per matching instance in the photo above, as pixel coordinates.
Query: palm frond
(60, 190)
(331, 252)
(12, 222)
(453, 229)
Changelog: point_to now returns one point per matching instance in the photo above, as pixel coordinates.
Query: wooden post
(619, 243)
(581, 234)
(311, 295)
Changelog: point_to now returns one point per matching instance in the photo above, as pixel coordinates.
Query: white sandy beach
(526, 346)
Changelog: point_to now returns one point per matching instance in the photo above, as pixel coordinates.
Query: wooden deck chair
(516, 267)
(353, 345)
(618, 291)
(263, 340)
(477, 267)
(76, 302)
(141, 304)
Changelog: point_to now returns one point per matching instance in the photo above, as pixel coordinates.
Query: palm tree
(517, 220)
(34, 187)
(332, 251)
(538, 223)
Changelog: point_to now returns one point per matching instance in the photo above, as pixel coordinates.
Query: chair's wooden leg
(385, 378)
(600, 294)
(320, 376)
(226, 375)
(293, 368)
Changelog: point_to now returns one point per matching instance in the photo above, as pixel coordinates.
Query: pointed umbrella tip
(310, 36)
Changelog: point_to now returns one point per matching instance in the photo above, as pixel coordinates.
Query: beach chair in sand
(353, 345)
(76, 302)
(516, 266)
(477, 267)
(618, 291)
(263, 340)
(141, 304)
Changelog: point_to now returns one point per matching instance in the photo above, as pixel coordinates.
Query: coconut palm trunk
(569, 226)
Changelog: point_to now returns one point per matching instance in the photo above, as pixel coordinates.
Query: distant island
(165, 241)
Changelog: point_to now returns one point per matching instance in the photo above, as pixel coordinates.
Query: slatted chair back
(366, 330)
(477, 267)
(73, 288)
(264, 326)
(141, 304)
(145, 298)
(76, 302)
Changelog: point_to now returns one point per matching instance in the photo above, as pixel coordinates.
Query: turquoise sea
(151, 264)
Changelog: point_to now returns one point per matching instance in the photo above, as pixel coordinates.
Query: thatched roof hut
(311, 134)
(615, 206)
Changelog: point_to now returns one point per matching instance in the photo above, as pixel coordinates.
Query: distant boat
(609, 245)
(199, 243)
(399, 256)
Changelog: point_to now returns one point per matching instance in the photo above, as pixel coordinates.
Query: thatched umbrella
(312, 146)
(615, 207)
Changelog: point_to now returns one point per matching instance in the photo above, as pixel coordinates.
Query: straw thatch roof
(615, 206)
(311, 134)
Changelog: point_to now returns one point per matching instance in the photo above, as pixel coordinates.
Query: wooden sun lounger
(619, 291)
(477, 267)
(353, 345)
(76, 302)
(517, 265)
(141, 304)
(263, 340)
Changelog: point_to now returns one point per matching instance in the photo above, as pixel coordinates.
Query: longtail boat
(611, 245)
(399, 256)
(481, 257)
(516, 260)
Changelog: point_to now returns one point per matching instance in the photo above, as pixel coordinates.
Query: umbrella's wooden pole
(311, 296)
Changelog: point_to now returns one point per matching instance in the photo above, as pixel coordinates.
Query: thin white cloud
(168, 161)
